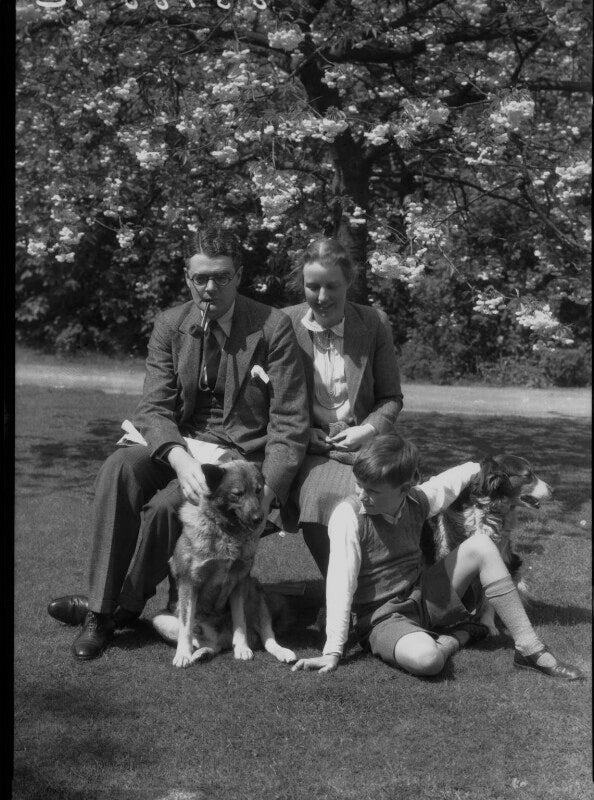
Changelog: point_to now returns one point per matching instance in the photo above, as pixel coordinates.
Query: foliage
(446, 142)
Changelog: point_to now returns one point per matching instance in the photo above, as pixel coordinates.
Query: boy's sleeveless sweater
(390, 552)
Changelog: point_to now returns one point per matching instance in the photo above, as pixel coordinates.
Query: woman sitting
(353, 386)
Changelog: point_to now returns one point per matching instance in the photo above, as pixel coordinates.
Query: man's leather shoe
(94, 637)
(71, 609)
(559, 669)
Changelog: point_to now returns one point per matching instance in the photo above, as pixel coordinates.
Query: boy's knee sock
(504, 597)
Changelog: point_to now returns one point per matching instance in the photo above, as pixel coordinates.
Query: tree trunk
(351, 188)
(351, 179)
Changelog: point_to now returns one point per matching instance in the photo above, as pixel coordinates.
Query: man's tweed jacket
(267, 419)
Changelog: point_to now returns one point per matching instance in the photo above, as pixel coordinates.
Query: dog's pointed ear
(213, 475)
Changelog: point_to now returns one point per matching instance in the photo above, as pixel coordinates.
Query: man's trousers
(135, 528)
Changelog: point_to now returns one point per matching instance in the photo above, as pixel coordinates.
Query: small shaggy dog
(211, 564)
(488, 505)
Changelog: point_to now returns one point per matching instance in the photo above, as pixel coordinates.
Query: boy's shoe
(476, 631)
(559, 669)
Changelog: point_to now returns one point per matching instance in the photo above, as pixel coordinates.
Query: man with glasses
(221, 369)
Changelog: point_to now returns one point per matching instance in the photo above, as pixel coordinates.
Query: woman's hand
(321, 663)
(189, 474)
(318, 441)
(352, 438)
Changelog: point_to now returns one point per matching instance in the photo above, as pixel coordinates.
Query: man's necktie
(211, 358)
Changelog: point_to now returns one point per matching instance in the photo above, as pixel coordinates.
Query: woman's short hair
(388, 458)
(213, 242)
(328, 253)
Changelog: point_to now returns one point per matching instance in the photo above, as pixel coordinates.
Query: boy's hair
(387, 459)
(213, 242)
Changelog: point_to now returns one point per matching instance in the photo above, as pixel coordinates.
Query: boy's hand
(320, 663)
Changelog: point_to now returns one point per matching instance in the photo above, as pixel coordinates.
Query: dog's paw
(182, 659)
(242, 652)
(286, 656)
(283, 654)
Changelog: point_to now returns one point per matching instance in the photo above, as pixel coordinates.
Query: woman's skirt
(320, 485)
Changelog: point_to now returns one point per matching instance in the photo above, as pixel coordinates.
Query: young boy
(409, 617)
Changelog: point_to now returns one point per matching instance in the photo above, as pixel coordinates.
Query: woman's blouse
(331, 400)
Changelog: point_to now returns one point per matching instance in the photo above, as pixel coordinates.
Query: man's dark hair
(387, 459)
(213, 242)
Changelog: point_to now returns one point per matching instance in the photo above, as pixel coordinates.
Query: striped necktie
(211, 358)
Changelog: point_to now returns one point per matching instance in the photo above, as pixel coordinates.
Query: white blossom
(391, 267)
(286, 39)
(61, 257)
(488, 305)
(378, 135)
(35, 248)
(512, 113)
(125, 238)
(126, 90)
(225, 155)
(539, 320)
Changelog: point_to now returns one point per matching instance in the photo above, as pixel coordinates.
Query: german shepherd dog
(211, 564)
(488, 505)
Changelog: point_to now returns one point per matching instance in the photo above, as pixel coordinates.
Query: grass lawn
(130, 725)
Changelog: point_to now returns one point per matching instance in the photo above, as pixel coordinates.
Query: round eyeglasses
(200, 281)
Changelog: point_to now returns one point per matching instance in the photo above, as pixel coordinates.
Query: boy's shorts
(432, 604)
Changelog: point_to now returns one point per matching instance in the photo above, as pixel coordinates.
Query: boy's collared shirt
(345, 548)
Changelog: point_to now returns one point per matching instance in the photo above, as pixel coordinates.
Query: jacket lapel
(190, 350)
(243, 340)
(305, 342)
(356, 351)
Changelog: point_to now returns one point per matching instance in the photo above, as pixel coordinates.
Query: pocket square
(258, 372)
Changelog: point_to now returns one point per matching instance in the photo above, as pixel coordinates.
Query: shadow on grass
(63, 445)
(296, 627)
(558, 449)
(294, 617)
(544, 614)
(27, 785)
(62, 437)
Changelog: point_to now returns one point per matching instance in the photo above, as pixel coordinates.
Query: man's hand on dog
(322, 664)
(189, 474)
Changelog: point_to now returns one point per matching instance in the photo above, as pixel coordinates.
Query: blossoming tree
(445, 142)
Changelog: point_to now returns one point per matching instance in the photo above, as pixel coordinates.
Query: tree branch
(544, 84)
